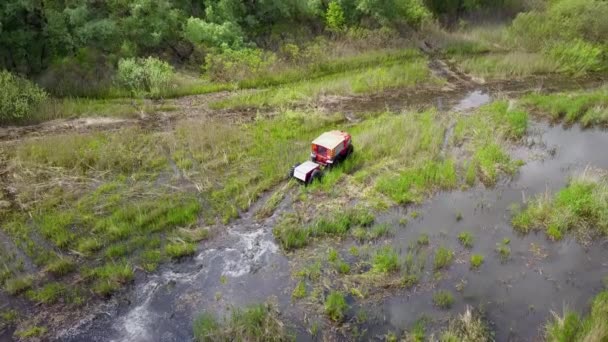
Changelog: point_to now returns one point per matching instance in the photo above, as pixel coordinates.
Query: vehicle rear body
(304, 171)
(330, 147)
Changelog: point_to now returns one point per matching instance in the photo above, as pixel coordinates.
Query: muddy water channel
(243, 264)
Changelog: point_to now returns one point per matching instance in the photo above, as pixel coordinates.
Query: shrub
(335, 16)
(145, 76)
(577, 57)
(19, 98)
(227, 35)
(335, 306)
(443, 299)
(236, 65)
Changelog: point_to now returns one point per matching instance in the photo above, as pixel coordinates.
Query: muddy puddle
(242, 264)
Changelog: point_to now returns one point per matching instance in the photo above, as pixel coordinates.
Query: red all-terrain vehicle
(329, 149)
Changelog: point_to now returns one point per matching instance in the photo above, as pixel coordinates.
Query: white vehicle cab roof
(330, 139)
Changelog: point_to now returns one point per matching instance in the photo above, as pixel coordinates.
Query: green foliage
(570, 327)
(15, 286)
(443, 299)
(412, 185)
(178, 250)
(253, 323)
(226, 35)
(580, 207)
(503, 250)
(476, 261)
(443, 258)
(386, 260)
(423, 239)
(237, 64)
(61, 266)
(292, 236)
(299, 291)
(335, 306)
(588, 108)
(31, 332)
(578, 57)
(334, 16)
(466, 239)
(144, 76)
(19, 98)
(49, 293)
(469, 326)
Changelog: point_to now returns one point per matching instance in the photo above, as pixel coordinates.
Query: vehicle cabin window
(321, 150)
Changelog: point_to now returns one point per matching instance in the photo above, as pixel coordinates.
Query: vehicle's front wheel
(316, 175)
(292, 170)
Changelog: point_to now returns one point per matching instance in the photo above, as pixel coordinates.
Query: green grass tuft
(386, 260)
(443, 299)
(335, 306)
(466, 239)
(443, 258)
(476, 261)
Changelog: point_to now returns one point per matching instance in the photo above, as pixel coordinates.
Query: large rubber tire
(316, 175)
(349, 150)
(292, 170)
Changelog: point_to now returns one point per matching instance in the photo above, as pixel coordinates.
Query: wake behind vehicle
(329, 149)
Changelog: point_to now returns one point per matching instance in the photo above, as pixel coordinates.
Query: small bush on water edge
(571, 327)
(580, 207)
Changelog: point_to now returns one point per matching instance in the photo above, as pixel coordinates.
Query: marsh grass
(443, 299)
(299, 291)
(258, 323)
(581, 207)
(587, 108)
(335, 306)
(443, 258)
(484, 134)
(48, 294)
(468, 326)
(364, 81)
(386, 260)
(476, 261)
(293, 234)
(338, 65)
(466, 239)
(571, 327)
(508, 65)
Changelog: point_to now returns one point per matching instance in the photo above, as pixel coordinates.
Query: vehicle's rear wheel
(293, 170)
(350, 150)
(315, 176)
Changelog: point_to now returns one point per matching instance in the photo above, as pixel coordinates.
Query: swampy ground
(465, 192)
